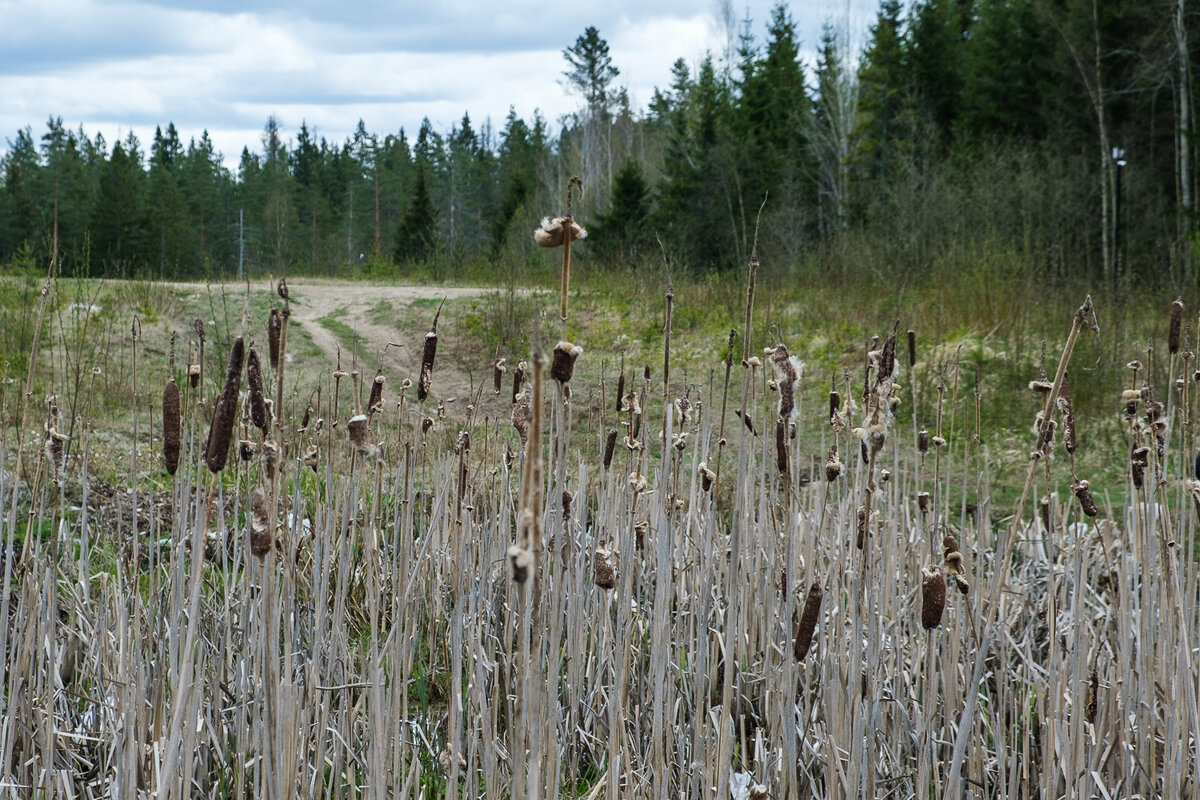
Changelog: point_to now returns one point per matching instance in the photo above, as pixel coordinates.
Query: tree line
(1046, 138)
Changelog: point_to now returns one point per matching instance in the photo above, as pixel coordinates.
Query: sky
(225, 66)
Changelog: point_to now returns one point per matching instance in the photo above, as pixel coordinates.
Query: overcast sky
(226, 66)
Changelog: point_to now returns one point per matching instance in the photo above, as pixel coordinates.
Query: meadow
(605, 540)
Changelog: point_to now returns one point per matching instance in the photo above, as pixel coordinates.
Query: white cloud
(117, 66)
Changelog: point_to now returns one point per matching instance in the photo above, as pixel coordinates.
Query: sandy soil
(355, 305)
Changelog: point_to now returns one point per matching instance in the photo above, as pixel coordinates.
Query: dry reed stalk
(172, 423)
(221, 431)
(933, 597)
(254, 381)
(808, 621)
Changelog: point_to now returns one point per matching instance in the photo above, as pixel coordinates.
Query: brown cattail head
(359, 434)
(604, 567)
(562, 366)
(835, 402)
(221, 431)
(620, 393)
(375, 403)
(833, 465)
(781, 446)
(610, 444)
(194, 375)
(246, 449)
(55, 450)
(1045, 511)
(262, 534)
(311, 456)
(912, 348)
(567, 499)
(788, 370)
(923, 502)
(308, 409)
(923, 442)
(953, 562)
(862, 527)
(808, 621)
(254, 381)
(274, 331)
(1093, 692)
(1176, 327)
(933, 597)
(707, 476)
(497, 373)
(518, 379)
(427, 355)
(171, 426)
(1086, 501)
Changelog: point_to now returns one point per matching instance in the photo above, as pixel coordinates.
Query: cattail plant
(933, 597)
(262, 533)
(953, 563)
(359, 435)
(427, 355)
(562, 366)
(604, 567)
(254, 381)
(808, 621)
(1086, 502)
(221, 431)
(610, 444)
(1176, 327)
(274, 329)
(498, 373)
(788, 370)
(912, 348)
(171, 425)
(560, 232)
(375, 403)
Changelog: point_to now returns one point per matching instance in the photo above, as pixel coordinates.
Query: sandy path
(356, 306)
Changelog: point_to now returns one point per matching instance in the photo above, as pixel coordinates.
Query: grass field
(639, 582)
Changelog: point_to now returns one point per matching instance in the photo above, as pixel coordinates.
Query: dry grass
(681, 631)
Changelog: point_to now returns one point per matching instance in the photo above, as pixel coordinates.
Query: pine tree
(416, 233)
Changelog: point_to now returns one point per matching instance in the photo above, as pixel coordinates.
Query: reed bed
(544, 597)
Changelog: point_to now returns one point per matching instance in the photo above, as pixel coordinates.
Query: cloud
(226, 66)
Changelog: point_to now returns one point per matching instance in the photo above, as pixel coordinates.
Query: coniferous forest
(1047, 139)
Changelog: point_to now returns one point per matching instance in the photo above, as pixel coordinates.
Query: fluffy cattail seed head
(262, 534)
(562, 367)
(521, 560)
(171, 426)
(221, 431)
(311, 455)
(357, 430)
(808, 621)
(604, 568)
(833, 465)
(933, 597)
